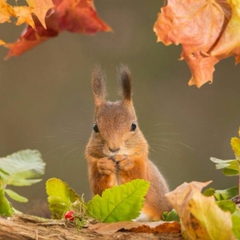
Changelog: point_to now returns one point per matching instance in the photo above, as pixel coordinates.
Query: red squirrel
(117, 151)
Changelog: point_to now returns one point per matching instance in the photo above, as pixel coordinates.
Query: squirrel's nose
(114, 149)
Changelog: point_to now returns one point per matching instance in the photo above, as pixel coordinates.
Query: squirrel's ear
(125, 82)
(98, 86)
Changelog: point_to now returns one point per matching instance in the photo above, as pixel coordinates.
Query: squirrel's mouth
(108, 153)
(113, 154)
(118, 150)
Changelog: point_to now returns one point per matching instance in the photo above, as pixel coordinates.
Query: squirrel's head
(115, 130)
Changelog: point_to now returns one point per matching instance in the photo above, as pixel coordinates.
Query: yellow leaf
(6, 11)
(40, 9)
(200, 216)
(24, 15)
(2, 42)
(235, 143)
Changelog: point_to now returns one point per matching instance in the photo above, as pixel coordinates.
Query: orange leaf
(40, 9)
(230, 40)
(236, 53)
(2, 42)
(200, 64)
(197, 25)
(143, 227)
(70, 15)
(31, 38)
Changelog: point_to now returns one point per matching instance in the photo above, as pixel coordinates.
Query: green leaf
(22, 168)
(209, 192)
(236, 223)
(230, 167)
(226, 194)
(6, 210)
(119, 203)
(220, 195)
(3, 172)
(15, 196)
(60, 197)
(227, 205)
(230, 172)
(171, 216)
(220, 164)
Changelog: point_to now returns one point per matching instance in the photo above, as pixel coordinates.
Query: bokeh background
(46, 101)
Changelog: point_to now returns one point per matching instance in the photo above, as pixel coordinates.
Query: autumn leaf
(201, 218)
(230, 40)
(144, 227)
(76, 16)
(79, 16)
(31, 38)
(24, 13)
(235, 143)
(2, 42)
(6, 11)
(40, 9)
(202, 28)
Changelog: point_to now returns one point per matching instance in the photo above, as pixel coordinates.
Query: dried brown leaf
(143, 227)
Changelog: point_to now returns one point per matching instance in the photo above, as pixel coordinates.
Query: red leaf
(78, 16)
(31, 38)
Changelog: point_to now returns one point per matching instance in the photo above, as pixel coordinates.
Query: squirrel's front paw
(105, 166)
(124, 163)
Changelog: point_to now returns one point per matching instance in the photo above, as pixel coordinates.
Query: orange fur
(117, 151)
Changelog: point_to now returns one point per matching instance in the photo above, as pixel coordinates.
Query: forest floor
(27, 227)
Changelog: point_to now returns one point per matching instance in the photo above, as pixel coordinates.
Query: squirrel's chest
(117, 179)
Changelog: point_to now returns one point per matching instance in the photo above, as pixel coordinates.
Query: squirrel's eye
(95, 128)
(133, 127)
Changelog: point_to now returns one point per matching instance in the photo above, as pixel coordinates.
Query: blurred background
(46, 101)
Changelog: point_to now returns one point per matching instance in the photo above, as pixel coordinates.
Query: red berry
(69, 215)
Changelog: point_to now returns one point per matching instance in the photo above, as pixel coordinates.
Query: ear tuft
(125, 82)
(98, 85)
